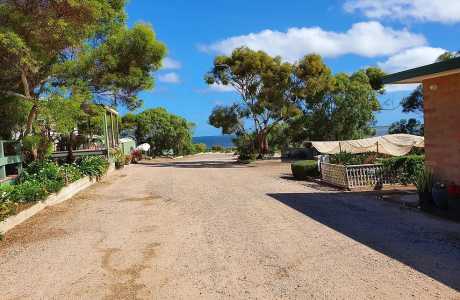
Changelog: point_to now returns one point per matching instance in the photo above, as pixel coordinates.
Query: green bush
(303, 169)
(40, 178)
(29, 191)
(346, 158)
(7, 207)
(94, 166)
(200, 148)
(71, 172)
(405, 168)
(46, 173)
(247, 157)
(217, 148)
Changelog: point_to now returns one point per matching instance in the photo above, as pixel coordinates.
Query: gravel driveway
(206, 228)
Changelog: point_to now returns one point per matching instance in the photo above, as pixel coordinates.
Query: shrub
(405, 168)
(217, 148)
(71, 172)
(128, 159)
(29, 191)
(347, 158)
(46, 173)
(7, 206)
(303, 169)
(200, 148)
(94, 166)
(247, 157)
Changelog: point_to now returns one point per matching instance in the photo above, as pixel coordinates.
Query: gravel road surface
(204, 227)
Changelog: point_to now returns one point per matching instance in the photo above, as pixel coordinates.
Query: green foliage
(75, 51)
(406, 169)
(13, 116)
(346, 158)
(217, 148)
(263, 83)
(7, 207)
(413, 102)
(424, 180)
(411, 126)
(29, 191)
(94, 166)
(42, 177)
(71, 172)
(245, 146)
(200, 148)
(228, 118)
(119, 158)
(305, 168)
(164, 132)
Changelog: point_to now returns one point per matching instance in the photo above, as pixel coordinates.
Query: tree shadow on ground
(205, 164)
(425, 243)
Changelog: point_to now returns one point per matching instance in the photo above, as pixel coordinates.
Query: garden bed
(28, 210)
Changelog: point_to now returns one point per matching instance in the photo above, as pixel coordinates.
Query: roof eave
(417, 75)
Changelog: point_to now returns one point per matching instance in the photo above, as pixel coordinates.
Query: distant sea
(222, 140)
(381, 130)
(226, 140)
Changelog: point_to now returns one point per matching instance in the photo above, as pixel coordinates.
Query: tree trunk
(70, 156)
(30, 119)
(262, 143)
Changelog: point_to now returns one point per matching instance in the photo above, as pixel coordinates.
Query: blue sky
(349, 34)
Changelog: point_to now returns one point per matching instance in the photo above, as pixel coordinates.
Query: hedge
(303, 169)
(405, 168)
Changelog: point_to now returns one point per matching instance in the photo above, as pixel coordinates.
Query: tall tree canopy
(52, 44)
(262, 83)
(335, 107)
(163, 131)
(316, 104)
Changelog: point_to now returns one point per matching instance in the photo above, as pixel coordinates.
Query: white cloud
(444, 11)
(367, 39)
(171, 64)
(411, 58)
(391, 88)
(220, 88)
(171, 77)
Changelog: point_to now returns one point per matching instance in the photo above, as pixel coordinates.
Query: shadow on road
(197, 164)
(424, 243)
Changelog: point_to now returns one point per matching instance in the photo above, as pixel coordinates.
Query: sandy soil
(206, 228)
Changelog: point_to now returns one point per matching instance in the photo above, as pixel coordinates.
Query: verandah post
(2, 166)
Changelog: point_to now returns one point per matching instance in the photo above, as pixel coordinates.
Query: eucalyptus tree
(49, 45)
(263, 85)
(334, 107)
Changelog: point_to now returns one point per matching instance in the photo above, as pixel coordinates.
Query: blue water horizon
(215, 140)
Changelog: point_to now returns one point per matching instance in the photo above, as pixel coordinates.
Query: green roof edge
(438, 67)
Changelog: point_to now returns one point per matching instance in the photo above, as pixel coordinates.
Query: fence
(10, 155)
(356, 176)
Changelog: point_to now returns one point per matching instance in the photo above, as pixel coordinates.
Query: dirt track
(205, 228)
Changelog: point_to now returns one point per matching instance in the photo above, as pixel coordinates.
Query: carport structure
(441, 91)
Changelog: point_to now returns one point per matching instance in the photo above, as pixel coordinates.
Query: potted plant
(454, 200)
(424, 188)
(119, 158)
(440, 195)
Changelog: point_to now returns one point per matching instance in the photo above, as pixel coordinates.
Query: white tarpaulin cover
(144, 147)
(392, 144)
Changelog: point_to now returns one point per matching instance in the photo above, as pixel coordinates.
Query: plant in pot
(424, 188)
(119, 158)
(440, 195)
(454, 200)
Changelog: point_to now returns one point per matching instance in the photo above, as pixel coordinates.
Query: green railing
(10, 154)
